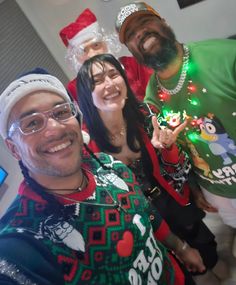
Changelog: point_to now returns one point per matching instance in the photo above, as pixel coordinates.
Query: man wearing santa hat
(85, 38)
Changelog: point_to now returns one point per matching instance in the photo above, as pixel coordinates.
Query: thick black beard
(161, 60)
(168, 51)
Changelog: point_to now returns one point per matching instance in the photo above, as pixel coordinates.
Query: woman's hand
(164, 137)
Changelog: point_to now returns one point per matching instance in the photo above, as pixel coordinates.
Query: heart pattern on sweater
(125, 245)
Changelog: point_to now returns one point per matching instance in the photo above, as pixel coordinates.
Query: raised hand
(164, 137)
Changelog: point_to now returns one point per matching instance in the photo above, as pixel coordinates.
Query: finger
(156, 126)
(166, 137)
(157, 145)
(211, 209)
(196, 266)
(163, 136)
(170, 136)
(180, 128)
(207, 206)
(157, 132)
(191, 269)
(201, 267)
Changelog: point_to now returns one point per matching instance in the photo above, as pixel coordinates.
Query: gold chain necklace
(121, 133)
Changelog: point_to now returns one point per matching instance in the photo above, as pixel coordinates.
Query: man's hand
(201, 201)
(191, 259)
(189, 256)
(164, 138)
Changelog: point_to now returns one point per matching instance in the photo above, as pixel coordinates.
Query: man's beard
(167, 51)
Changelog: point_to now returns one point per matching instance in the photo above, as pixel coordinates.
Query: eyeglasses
(36, 122)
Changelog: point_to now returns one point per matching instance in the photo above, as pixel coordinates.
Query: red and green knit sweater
(92, 242)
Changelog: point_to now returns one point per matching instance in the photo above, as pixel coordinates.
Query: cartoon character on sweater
(220, 144)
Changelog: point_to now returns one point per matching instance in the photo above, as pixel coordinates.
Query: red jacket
(172, 159)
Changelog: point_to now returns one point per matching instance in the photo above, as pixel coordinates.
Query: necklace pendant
(119, 135)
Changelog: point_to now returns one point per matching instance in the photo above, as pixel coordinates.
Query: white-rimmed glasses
(36, 122)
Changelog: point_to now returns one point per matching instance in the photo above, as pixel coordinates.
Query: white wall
(13, 179)
(207, 19)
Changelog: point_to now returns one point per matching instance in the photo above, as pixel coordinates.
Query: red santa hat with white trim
(83, 29)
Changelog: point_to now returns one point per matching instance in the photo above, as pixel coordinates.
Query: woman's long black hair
(97, 130)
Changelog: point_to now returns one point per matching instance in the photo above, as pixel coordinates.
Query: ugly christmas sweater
(109, 237)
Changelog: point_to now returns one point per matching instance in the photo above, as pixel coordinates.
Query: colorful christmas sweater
(208, 100)
(138, 76)
(169, 167)
(109, 237)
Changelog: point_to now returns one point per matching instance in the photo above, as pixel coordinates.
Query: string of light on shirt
(172, 119)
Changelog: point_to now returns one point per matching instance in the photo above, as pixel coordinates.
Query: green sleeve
(151, 93)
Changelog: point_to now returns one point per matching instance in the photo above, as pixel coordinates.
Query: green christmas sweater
(208, 100)
(109, 237)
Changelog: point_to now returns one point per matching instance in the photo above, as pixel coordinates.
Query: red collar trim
(25, 190)
(84, 194)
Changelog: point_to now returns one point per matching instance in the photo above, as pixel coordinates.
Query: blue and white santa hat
(35, 80)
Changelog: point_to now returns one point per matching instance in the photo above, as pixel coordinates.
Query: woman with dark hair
(120, 126)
